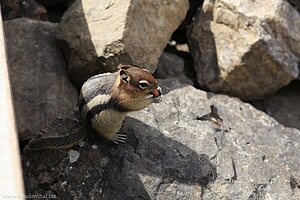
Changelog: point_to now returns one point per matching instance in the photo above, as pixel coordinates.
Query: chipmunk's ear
(146, 70)
(124, 76)
(125, 67)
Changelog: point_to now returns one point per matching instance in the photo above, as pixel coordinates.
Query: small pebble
(64, 183)
(81, 144)
(73, 156)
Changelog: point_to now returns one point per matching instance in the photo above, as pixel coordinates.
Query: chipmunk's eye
(143, 84)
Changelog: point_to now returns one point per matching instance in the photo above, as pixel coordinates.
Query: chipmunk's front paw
(119, 138)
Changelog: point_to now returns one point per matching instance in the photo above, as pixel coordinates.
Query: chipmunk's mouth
(155, 95)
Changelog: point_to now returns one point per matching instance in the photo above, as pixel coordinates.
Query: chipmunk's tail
(56, 142)
(61, 133)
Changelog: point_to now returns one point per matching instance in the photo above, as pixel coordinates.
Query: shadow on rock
(146, 167)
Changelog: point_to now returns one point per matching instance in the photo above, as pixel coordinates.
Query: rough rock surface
(23, 8)
(40, 84)
(248, 48)
(97, 36)
(172, 66)
(284, 105)
(167, 155)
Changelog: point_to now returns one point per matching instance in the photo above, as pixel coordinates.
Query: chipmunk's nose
(157, 94)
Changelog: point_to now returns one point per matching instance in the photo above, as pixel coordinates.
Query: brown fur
(130, 95)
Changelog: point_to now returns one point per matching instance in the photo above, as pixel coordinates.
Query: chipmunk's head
(139, 88)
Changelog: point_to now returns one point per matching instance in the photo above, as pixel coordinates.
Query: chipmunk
(105, 99)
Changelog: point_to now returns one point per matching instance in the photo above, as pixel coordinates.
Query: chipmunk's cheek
(155, 95)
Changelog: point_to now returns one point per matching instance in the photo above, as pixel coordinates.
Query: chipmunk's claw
(119, 138)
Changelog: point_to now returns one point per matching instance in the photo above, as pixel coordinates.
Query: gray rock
(169, 153)
(172, 66)
(284, 105)
(248, 49)
(40, 84)
(97, 36)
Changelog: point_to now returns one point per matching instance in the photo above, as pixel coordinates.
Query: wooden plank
(11, 179)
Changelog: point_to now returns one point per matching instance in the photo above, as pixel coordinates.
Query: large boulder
(248, 48)
(40, 84)
(169, 152)
(96, 36)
